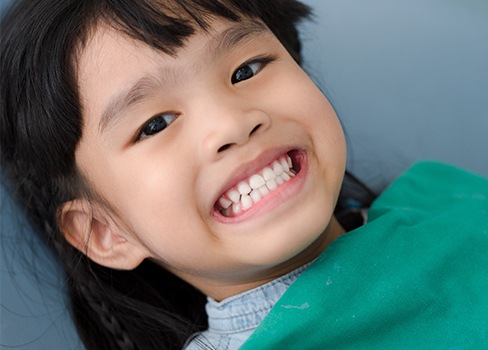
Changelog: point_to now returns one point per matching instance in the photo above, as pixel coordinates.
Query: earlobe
(92, 231)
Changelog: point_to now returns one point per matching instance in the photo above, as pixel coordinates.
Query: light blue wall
(3, 5)
(409, 80)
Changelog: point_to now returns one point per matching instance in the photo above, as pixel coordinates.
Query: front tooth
(246, 202)
(268, 174)
(243, 188)
(255, 195)
(277, 168)
(234, 196)
(271, 184)
(284, 164)
(225, 203)
(256, 181)
(279, 180)
(263, 190)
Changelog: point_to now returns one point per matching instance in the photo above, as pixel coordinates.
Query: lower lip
(276, 198)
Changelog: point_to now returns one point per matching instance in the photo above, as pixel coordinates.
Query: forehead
(220, 35)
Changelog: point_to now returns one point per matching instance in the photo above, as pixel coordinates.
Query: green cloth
(414, 277)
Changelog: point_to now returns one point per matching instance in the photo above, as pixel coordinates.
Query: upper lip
(246, 169)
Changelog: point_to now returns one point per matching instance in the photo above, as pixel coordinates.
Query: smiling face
(222, 164)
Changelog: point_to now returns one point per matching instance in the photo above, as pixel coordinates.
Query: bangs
(166, 24)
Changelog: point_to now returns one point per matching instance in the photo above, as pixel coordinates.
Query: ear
(91, 230)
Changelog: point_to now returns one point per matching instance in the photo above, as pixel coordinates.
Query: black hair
(41, 125)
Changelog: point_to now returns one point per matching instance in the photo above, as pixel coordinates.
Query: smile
(247, 193)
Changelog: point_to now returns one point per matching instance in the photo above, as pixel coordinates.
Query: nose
(229, 125)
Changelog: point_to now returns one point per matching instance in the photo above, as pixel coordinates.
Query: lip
(275, 198)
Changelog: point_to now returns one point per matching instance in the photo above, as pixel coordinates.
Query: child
(175, 150)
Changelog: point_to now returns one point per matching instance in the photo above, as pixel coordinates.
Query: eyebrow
(140, 91)
(222, 42)
(236, 35)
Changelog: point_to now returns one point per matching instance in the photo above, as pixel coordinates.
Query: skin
(161, 189)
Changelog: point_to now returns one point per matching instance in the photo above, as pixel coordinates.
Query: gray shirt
(232, 321)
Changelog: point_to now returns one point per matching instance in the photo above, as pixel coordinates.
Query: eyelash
(164, 120)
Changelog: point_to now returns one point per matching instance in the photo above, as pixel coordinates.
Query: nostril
(255, 129)
(229, 145)
(224, 147)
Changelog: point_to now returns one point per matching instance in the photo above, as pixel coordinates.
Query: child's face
(166, 137)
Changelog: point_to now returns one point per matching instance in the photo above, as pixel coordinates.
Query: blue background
(409, 80)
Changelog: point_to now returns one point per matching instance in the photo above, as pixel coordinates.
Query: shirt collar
(247, 310)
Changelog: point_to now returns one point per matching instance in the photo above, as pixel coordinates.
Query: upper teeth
(246, 193)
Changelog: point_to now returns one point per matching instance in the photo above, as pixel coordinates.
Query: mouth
(246, 194)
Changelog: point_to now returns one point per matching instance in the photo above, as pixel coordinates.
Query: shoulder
(418, 265)
(431, 188)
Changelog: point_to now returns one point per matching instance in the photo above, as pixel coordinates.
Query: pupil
(156, 125)
(244, 73)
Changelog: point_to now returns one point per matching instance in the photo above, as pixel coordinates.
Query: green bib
(414, 277)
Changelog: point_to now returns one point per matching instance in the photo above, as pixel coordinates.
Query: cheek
(327, 131)
(310, 108)
(317, 115)
(142, 189)
(295, 91)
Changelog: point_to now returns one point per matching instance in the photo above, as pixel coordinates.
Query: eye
(156, 124)
(250, 69)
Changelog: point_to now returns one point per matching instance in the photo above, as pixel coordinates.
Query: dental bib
(414, 277)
